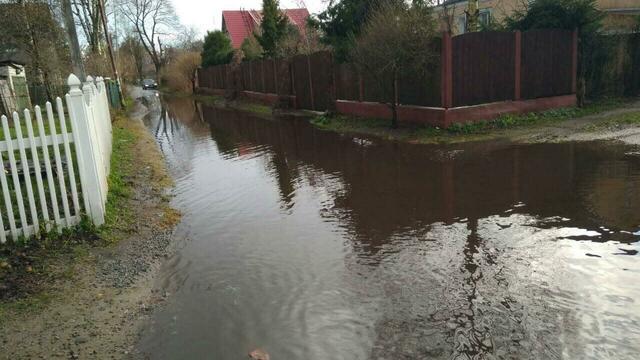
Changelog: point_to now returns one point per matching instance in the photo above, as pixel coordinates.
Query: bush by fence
(475, 68)
(41, 154)
(612, 66)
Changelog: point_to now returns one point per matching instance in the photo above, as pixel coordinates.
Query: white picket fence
(39, 183)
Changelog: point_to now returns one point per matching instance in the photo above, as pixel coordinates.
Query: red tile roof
(239, 24)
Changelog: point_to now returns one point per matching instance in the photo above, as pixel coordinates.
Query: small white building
(14, 92)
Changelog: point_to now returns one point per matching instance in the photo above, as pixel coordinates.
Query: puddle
(312, 245)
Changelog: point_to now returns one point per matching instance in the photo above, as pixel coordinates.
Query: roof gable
(240, 24)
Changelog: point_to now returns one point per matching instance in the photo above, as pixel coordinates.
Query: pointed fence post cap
(89, 79)
(73, 82)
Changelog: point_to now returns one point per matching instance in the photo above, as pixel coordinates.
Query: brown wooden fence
(475, 68)
(483, 68)
(547, 64)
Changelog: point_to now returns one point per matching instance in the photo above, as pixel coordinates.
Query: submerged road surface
(312, 245)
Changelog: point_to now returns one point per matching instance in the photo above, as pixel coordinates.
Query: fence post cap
(89, 79)
(99, 79)
(73, 82)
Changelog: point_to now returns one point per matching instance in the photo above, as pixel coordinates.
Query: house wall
(620, 14)
(452, 16)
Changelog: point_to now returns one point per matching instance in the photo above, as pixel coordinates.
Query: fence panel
(377, 89)
(301, 82)
(269, 76)
(38, 180)
(283, 77)
(347, 82)
(256, 76)
(218, 77)
(322, 80)
(245, 76)
(547, 63)
(422, 88)
(483, 67)
(202, 81)
(217, 83)
(214, 77)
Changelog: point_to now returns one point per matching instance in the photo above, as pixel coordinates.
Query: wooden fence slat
(58, 160)
(38, 170)
(47, 166)
(7, 195)
(67, 153)
(26, 171)
(14, 171)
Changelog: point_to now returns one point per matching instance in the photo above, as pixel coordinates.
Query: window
(484, 17)
(462, 24)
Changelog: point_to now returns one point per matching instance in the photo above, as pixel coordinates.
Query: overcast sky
(207, 14)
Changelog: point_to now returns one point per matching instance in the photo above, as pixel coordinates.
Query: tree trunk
(193, 81)
(158, 67)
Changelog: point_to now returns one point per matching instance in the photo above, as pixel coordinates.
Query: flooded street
(313, 245)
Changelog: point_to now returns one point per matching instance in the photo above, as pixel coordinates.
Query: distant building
(240, 24)
(14, 93)
(621, 15)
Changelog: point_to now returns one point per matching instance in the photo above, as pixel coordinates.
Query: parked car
(149, 84)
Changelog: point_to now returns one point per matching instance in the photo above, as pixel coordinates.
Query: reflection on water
(313, 245)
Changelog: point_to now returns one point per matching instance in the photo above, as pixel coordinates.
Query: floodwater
(313, 245)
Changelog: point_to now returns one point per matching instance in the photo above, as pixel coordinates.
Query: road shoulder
(97, 310)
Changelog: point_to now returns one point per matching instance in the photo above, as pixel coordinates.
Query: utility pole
(103, 15)
(70, 25)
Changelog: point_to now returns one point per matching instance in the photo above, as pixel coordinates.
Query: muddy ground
(97, 309)
(601, 126)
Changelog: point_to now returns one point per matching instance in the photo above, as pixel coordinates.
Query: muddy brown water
(314, 245)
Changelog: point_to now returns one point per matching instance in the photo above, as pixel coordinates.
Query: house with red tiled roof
(240, 24)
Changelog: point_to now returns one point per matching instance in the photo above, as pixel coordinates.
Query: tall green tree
(273, 27)
(216, 49)
(341, 22)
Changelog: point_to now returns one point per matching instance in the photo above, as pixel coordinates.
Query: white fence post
(105, 122)
(90, 162)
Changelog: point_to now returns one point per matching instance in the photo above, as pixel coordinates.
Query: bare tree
(448, 17)
(31, 26)
(396, 40)
(132, 56)
(87, 14)
(153, 21)
(72, 36)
